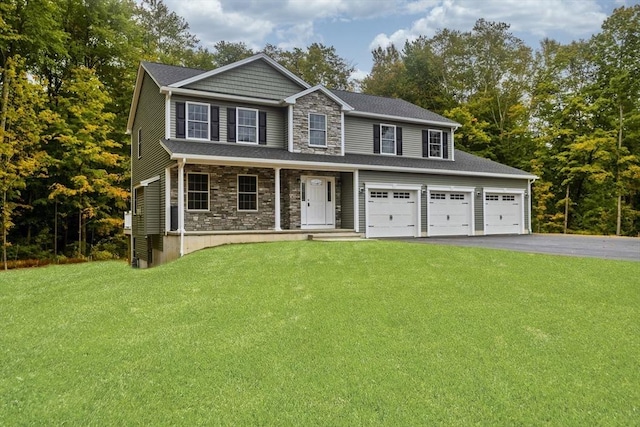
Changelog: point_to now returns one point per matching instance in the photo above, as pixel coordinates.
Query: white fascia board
(136, 96)
(458, 188)
(260, 56)
(148, 181)
(392, 186)
(347, 167)
(452, 126)
(293, 98)
(504, 190)
(222, 96)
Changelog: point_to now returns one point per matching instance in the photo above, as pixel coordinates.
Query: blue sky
(355, 27)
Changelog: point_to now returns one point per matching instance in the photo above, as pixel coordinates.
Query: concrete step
(336, 237)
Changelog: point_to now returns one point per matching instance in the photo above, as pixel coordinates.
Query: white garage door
(392, 213)
(449, 213)
(502, 213)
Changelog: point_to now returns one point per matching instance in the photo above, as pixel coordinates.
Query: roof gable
(319, 88)
(258, 57)
(255, 79)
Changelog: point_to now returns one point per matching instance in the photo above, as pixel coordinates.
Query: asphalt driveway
(607, 247)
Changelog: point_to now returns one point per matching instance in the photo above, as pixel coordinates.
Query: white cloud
(537, 18)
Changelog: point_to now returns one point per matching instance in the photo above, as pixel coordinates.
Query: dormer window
(197, 121)
(317, 130)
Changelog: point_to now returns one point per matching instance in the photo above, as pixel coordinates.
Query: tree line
(568, 113)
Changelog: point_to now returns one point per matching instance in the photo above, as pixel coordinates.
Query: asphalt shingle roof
(464, 162)
(169, 74)
(389, 106)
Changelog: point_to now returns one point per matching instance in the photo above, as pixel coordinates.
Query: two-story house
(250, 152)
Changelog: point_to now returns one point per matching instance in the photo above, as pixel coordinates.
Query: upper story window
(247, 125)
(435, 143)
(198, 191)
(197, 120)
(317, 130)
(140, 143)
(387, 139)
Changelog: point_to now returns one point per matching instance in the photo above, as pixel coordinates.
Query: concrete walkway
(607, 247)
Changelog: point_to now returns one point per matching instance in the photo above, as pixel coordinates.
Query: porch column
(356, 201)
(181, 203)
(277, 201)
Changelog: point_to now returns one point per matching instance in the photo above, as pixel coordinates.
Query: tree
(228, 52)
(387, 74)
(319, 64)
(21, 140)
(618, 78)
(88, 165)
(166, 35)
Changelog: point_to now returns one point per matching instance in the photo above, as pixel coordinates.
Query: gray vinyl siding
(256, 79)
(150, 118)
(427, 180)
(359, 136)
(276, 119)
(346, 178)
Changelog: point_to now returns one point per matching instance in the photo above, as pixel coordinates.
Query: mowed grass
(324, 333)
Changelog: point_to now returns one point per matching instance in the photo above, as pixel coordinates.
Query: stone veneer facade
(223, 214)
(317, 102)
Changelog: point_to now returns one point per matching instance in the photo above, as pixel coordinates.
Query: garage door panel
(503, 213)
(392, 213)
(449, 213)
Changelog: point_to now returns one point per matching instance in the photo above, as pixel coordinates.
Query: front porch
(194, 241)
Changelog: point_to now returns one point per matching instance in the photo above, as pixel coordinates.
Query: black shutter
(398, 141)
(215, 123)
(425, 143)
(376, 139)
(262, 128)
(445, 145)
(231, 124)
(180, 120)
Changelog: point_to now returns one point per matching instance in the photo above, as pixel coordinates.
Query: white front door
(317, 195)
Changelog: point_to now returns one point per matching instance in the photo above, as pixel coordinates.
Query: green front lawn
(324, 333)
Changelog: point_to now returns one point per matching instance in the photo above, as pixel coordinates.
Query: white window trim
(208, 192)
(238, 193)
(186, 121)
(139, 142)
(441, 143)
(238, 125)
(395, 139)
(324, 130)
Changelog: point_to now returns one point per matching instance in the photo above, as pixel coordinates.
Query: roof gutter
(262, 162)
(450, 125)
(216, 95)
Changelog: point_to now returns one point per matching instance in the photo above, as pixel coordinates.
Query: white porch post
(181, 203)
(277, 201)
(356, 201)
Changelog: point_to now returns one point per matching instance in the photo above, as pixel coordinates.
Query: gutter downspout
(529, 182)
(181, 164)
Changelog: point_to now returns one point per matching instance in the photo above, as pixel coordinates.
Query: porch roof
(212, 152)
